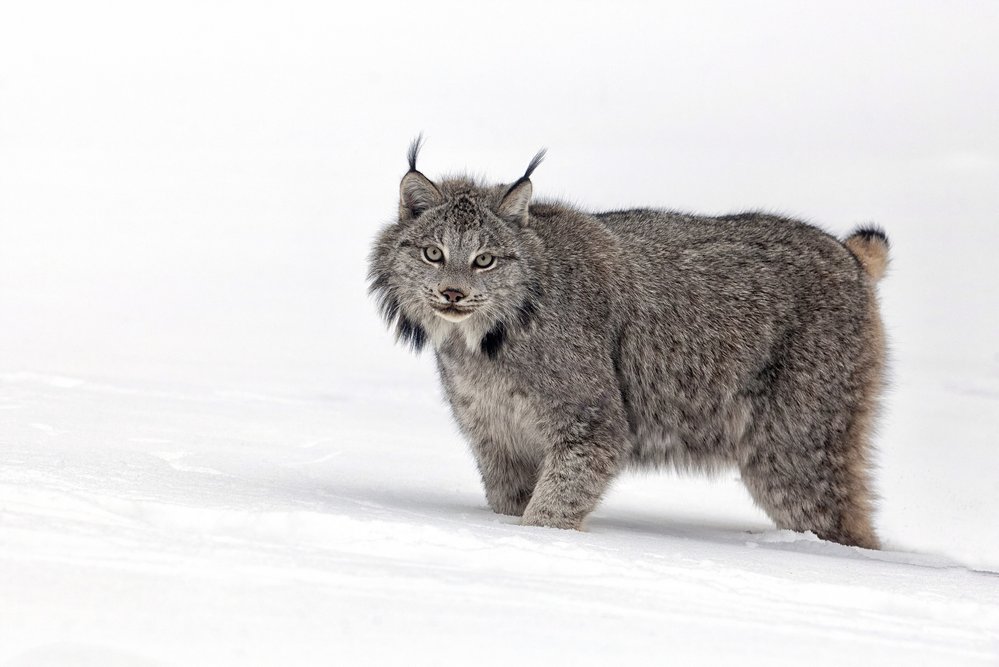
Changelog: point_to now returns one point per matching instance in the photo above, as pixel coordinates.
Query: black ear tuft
(414, 151)
(538, 158)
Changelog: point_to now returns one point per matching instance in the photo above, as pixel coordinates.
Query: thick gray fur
(643, 338)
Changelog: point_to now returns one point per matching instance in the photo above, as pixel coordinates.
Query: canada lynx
(572, 344)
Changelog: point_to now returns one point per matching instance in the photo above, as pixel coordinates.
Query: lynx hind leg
(815, 483)
(807, 457)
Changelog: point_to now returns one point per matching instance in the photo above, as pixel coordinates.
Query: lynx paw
(541, 518)
(508, 510)
(508, 506)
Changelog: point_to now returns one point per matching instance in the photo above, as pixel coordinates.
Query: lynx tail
(870, 245)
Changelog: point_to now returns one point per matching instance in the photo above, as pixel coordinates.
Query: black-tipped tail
(870, 246)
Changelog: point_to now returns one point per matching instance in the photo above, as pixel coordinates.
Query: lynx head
(462, 258)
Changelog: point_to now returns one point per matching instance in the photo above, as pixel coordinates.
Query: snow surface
(211, 453)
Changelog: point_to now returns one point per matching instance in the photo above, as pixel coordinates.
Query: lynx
(572, 345)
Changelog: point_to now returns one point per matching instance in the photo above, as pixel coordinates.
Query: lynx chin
(574, 344)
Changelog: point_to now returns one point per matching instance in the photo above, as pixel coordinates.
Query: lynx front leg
(578, 467)
(508, 479)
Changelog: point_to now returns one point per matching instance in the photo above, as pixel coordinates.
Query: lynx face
(457, 266)
(461, 259)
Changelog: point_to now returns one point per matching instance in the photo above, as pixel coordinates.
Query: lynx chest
(492, 405)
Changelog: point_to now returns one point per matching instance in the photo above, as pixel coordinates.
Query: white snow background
(211, 452)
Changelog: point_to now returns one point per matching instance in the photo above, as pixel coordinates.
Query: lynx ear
(517, 200)
(417, 193)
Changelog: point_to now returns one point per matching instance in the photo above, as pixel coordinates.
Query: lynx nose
(453, 295)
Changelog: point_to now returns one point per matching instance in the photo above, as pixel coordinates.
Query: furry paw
(537, 517)
(508, 506)
(507, 509)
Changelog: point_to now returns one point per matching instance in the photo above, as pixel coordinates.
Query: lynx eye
(484, 261)
(433, 254)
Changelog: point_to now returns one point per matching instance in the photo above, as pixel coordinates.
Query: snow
(211, 453)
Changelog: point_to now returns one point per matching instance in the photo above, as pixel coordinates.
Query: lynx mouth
(453, 313)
